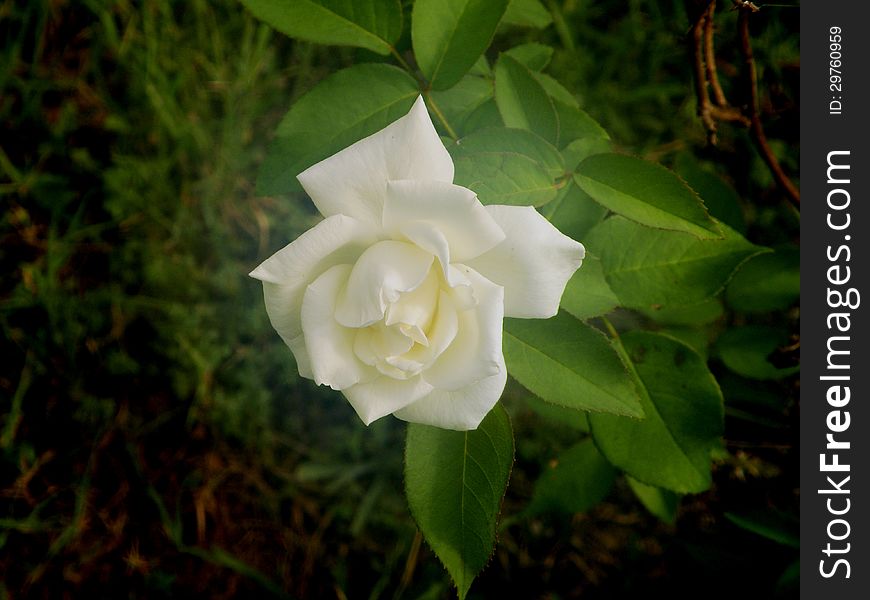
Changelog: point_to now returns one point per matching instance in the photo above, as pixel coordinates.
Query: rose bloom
(397, 297)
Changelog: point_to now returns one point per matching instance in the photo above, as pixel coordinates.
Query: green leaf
(558, 415)
(535, 56)
(505, 178)
(753, 401)
(587, 294)
(527, 13)
(449, 35)
(481, 68)
(503, 140)
(485, 115)
(788, 584)
(580, 479)
(700, 313)
(697, 338)
(574, 124)
(522, 101)
(645, 192)
(566, 362)
(747, 351)
(573, 212)
(332, 116)
(720, 198)
(648, 267)
(371, 24)
(455, 481)
(671, 447)
(462, 100)
(660, 503)
(773, 525)
(556, 91)
(581, 149)
(767, 282)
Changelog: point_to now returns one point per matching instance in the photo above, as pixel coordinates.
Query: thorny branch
(756, 128)
(718, 109)
(705, 73)
(710, 57)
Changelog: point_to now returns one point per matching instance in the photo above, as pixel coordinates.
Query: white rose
(397, 297)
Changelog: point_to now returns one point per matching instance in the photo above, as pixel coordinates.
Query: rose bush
(397, 297)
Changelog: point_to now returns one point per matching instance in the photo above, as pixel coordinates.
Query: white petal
(533, 263)
(417, 307)
(453, 210)
(476, 350)
(461, 409)
(445, 326)
(427, 237)
(338, 238)
(381, 274)
(362, 347)
(414, 332)
(387, 342)
(461, 293)
(353, 181)
(407, 367)
(430, 239)
(300, 353)
(329, 344)
(385, 395)
(286, 273)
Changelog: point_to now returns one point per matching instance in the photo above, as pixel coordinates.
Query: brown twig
(710, 57)
(718, 110)
(700, 76)
(410, 565)
(704, 66)
(746, 8)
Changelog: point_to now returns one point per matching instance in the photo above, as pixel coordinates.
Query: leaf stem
(562, 29)
(617, 343)
(623, 354)
(402, 62)
(431, 103)
(424, 86)
(611, 329)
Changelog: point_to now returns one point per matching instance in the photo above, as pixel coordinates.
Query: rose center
(416, 329)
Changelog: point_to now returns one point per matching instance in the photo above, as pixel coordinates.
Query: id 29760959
(835, 70)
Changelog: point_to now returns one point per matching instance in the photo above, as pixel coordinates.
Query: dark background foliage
(155, 440)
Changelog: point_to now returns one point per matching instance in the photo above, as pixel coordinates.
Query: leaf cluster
(663, 276)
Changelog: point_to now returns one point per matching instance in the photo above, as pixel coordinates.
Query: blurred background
(155, 439)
